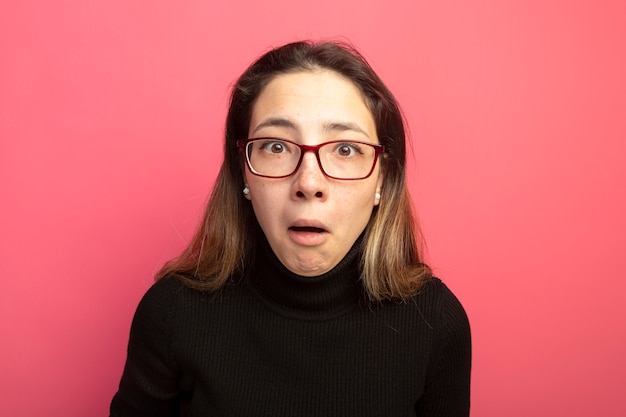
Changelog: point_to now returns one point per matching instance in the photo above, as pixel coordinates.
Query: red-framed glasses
(339, 159)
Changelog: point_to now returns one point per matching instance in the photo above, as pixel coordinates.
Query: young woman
(303, 292)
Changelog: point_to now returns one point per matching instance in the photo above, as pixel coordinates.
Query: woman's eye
(277, 147)
(347, 149)
(274, 147)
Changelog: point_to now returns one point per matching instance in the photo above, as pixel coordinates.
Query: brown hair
(223, 244)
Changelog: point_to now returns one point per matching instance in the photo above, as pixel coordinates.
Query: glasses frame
(243, 144)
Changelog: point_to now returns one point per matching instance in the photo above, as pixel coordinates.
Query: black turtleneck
(306, 298)
(279, 344)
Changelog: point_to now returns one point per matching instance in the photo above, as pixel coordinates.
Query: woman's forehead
(295, 101)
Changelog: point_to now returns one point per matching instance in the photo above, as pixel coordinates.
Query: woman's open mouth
(307, 235)
(307, 229)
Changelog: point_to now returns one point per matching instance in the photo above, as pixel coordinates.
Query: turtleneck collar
(309, 298)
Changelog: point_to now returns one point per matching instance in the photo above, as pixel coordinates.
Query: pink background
(111, 118)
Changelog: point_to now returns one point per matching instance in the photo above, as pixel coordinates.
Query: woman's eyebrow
(275, 122)
(344, 126)
(328, 127)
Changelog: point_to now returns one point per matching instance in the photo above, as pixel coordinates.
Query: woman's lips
(307, 229)
(307, 235)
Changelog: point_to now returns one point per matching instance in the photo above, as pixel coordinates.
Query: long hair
(391, 265)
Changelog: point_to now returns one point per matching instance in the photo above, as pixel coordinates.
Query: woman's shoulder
(171, 299)
(437, 304)
(162, 293)
(156, 304)
(170, 290)
(435, 290)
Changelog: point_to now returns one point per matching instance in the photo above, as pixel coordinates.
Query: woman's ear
(379, 185)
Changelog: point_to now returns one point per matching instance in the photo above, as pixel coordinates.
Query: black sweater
(277, 344)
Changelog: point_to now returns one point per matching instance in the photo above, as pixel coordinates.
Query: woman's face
(311, 221)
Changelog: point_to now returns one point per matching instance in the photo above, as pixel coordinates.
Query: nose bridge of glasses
(314, 154)
(310, 148)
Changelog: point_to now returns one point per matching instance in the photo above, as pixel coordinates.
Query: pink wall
(111, 115)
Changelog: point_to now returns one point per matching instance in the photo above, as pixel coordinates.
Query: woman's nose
(310, 181)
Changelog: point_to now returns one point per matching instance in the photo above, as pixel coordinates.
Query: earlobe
(379, 185)
(246, 192)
